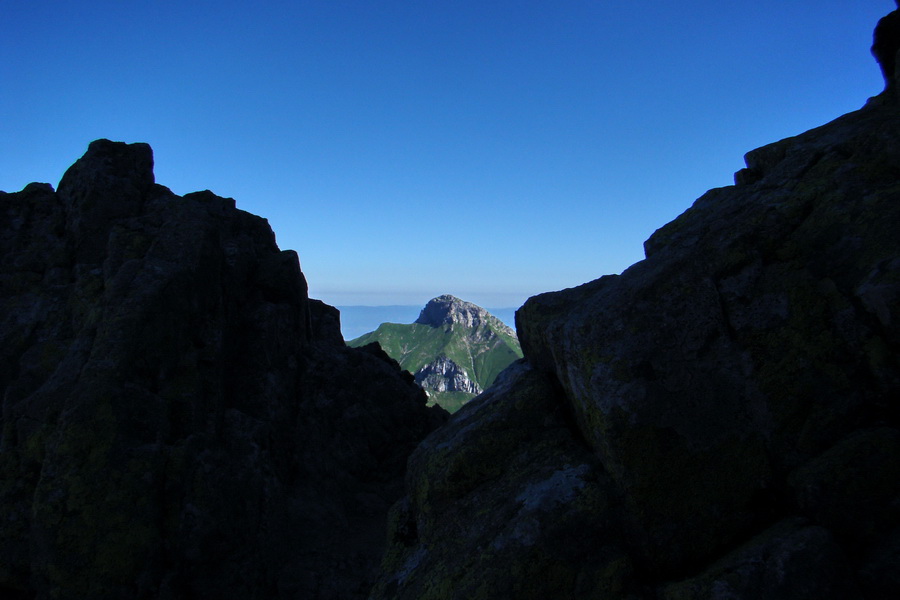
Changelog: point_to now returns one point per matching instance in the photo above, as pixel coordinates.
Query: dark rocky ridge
(179, 420)
(720, 421)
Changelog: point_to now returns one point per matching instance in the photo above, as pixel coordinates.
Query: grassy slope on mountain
(482, 352)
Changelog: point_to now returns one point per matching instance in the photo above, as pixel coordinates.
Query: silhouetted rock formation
(885, 46)
(179, 420)
(719, 421)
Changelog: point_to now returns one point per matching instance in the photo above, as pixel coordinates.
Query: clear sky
(487, 149)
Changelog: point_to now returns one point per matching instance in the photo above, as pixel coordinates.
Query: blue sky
(491, 150)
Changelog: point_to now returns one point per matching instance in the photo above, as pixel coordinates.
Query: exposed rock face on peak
(178, 419)
(721, 420)
(449, 310)
(444, 375)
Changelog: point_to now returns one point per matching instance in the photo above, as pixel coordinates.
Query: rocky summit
(455, 349)
(721, 420)
(450, 310)
(179, 419)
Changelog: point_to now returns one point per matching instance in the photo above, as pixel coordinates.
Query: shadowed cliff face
(719, 421)
(179, 419)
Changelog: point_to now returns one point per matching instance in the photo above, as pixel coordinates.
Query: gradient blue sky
(491, 150)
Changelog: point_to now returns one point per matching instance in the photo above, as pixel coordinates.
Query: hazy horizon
(357, 320)
(384, 299)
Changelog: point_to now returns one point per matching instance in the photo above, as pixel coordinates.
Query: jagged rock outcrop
(455, 349)
(721, 420)
(179, 420)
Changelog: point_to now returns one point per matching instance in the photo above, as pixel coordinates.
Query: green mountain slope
(455, 349)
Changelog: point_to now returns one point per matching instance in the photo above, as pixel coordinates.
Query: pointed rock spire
(110, 181)
(885, 48)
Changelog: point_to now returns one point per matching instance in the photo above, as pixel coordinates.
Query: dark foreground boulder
(179, 419)
(720, 421)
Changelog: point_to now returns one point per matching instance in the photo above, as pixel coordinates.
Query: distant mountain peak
(454, 350)
(447, 309)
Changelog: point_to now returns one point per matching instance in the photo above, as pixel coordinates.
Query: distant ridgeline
(455, 349)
